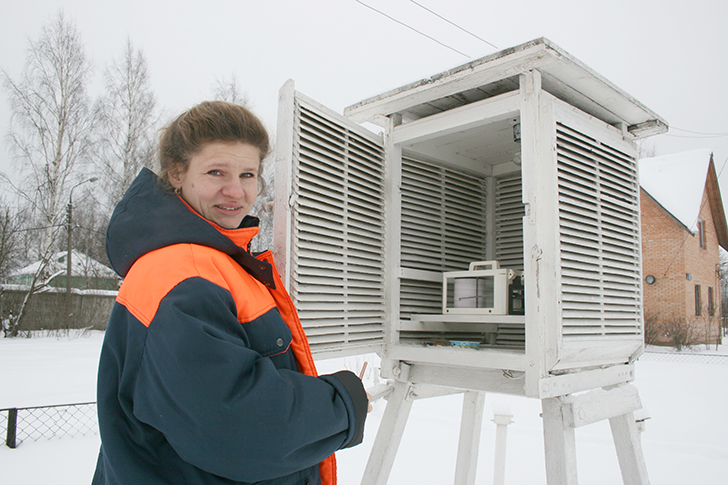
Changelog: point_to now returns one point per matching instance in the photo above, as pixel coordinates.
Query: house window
(701, 233)
(711, 304)
(697, 300)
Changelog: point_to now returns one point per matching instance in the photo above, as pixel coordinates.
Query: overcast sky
(671, 55)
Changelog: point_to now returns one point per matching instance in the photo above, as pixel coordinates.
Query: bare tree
(674, 330)
(229, 90)
(12, 222)
(654, 331)
(645, 149)
(89, 228)
(49, 129)
(263, 209)
(704, 326)
(681, 332)
(723, 273)
(125, 119)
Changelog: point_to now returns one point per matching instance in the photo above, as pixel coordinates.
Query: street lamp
(69, 233)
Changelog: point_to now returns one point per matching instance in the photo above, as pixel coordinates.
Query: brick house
(683, 227)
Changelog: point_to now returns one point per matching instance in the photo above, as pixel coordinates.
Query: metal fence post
(12, 427)
(501, 433)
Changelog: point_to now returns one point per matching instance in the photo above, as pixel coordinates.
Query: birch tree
(229, 90)
(49, 126)
(125, 120)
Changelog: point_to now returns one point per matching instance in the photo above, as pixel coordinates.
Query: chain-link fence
(48, 422)
(685, 357)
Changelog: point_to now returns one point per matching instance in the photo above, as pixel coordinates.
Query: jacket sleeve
(224, 406)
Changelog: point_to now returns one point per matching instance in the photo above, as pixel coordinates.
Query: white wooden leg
(389, 435)
(471, 425)
(559, 444)
(629, 450)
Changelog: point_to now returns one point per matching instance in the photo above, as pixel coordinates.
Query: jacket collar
(149, 218)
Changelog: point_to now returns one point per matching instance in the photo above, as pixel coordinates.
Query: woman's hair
(210, 121)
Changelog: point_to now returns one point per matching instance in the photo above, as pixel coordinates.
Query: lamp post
(69, 231)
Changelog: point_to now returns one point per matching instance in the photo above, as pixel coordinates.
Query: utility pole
(69, 248)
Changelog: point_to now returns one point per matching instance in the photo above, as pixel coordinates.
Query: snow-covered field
(685, 442)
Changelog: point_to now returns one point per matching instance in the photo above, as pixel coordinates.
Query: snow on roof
(82, 265)
(677, 182)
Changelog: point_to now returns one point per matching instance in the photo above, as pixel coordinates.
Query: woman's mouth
(229, 208)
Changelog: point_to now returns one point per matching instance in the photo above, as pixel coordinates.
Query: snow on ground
(685, 440)
(49, 370)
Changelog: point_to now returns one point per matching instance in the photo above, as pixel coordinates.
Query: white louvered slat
(509, 212)
(599, 237)
(442, 228)
(338, 238)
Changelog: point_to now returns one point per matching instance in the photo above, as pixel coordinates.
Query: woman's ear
(175, 176)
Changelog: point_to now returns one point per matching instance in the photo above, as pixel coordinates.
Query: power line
(412, 28)
(453, 24)
(721, 168)
(700, 132)
(695, 134)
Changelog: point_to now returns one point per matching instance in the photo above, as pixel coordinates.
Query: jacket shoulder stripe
(145, 285)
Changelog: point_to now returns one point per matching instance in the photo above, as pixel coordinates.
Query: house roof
(678, 181)
(82, 265)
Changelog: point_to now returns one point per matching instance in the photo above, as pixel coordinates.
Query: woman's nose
(233, 188)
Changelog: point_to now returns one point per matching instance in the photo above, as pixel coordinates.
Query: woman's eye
(214, 172)
(247, 175)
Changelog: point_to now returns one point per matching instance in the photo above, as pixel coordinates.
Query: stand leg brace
(561, 415)
(391, 429)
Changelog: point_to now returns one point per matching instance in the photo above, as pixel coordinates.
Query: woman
(205, 374)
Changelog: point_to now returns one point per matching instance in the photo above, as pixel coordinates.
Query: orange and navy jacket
(205, 373)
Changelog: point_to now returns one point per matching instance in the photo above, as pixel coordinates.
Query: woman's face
(221, 182)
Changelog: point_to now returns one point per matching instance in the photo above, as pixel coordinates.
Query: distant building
(86, 273)
(683, 226)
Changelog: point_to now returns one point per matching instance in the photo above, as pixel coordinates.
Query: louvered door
(599, 247)
(599, 236)
(335, 233)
